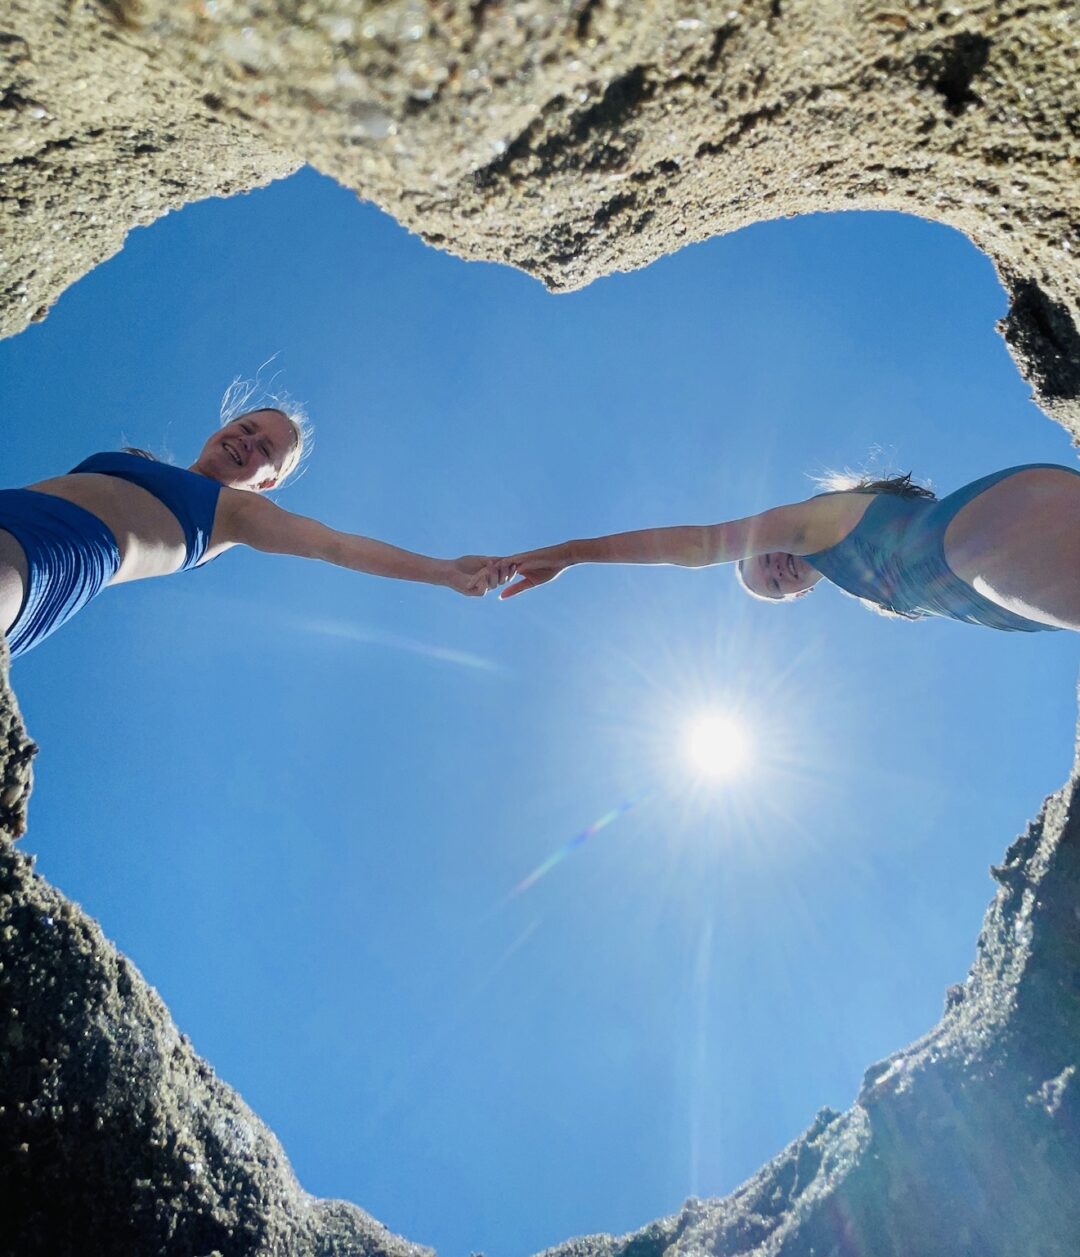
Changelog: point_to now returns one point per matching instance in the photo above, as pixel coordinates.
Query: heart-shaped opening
(430, 882)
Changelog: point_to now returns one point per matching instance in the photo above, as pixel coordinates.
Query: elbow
(701, 552)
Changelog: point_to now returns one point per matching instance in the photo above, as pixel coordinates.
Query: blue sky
(299, 798)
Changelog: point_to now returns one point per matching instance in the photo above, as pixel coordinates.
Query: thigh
(1018, 544)
(12, 579)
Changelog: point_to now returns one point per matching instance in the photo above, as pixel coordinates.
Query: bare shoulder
(242, 516)
(249, 519)
(810, 526)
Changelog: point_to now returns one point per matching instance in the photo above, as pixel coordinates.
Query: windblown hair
(248, 397)
(852, 482)
(901, 486)
(245, 397)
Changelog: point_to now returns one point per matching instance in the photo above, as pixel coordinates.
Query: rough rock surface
(96, 137)
(570, 138)
(566, 137)
(967, 1143)
(115, 1138)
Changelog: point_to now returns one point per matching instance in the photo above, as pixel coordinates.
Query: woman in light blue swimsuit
(1003, 551)
(123, 516)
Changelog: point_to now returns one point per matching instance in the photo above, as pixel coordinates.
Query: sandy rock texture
(569, 138)
(566, 137)
(116, 1140)
(96, 137)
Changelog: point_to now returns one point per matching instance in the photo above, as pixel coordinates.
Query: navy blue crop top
(191, 497)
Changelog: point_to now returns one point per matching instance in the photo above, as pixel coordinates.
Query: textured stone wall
(570, 138)
(967, 1143)
(567, 137)
(97, 137)
(115, 1138)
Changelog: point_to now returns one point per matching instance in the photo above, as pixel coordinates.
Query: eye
(774, 585)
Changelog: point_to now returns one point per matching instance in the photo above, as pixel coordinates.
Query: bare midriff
(150, 540)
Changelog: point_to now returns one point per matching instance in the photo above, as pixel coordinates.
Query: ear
(263, 485)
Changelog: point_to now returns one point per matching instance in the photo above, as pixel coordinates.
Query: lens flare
(558, 856)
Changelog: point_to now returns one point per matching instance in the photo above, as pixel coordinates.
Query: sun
(717, 746)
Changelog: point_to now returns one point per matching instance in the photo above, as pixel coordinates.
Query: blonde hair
(248, 397)
(740, 576)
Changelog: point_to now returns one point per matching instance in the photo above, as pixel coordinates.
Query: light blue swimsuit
(71, 555)
(895, 556)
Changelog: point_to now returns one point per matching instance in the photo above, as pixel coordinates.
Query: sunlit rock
(570, 139)
(966, 1143)
(115, 1138)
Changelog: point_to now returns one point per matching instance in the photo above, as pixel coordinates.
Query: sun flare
(717, 746)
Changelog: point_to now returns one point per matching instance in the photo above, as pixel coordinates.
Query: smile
(230, 449)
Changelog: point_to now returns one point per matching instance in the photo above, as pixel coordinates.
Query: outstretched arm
(255, 521)
(801, 528)
(686, 545)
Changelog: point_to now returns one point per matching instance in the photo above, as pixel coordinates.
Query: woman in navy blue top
(1003, 551)
(123, 516)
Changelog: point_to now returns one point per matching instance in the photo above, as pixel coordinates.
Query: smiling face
(250, 451)
(778, 576)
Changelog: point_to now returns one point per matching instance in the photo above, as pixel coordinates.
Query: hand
(472, 575)
(532, 568)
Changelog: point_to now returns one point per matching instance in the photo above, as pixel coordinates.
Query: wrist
(440, 572)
